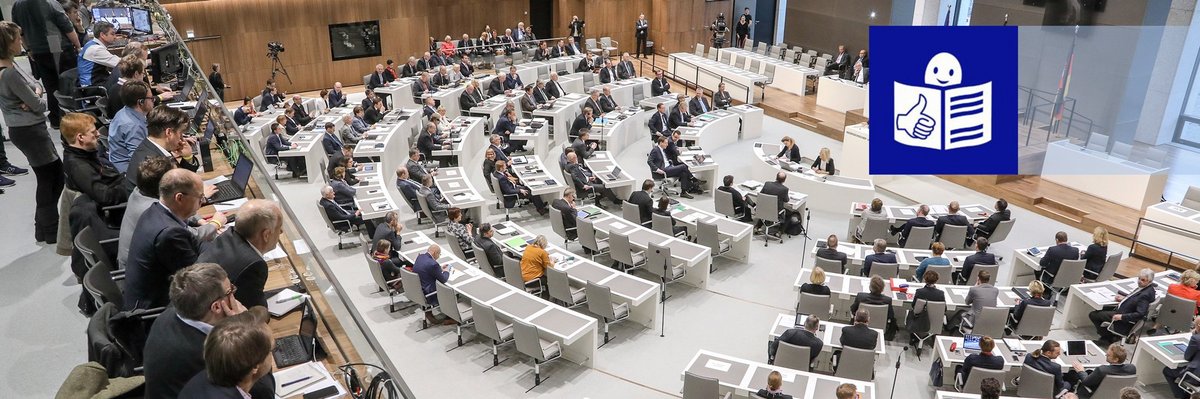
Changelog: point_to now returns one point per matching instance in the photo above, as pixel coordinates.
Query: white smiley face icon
(943, 70)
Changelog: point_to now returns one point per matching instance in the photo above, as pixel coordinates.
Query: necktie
(703, 107)
(629, 68)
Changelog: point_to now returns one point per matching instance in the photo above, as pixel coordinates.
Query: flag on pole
(947, 22)
(1064, 85)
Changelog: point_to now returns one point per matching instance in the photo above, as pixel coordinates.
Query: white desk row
(827, 193)
(712, 130)
(1173, 227)
(844, 288)
(830, 333)
(693, 257)
(897, 215)
(460, 193)
(906, 258)
(374, 195)
(1084, 298)
(738, 233)
(562, 113)
(747, 376)
(1153, 353)
(1103, 175)
(709, 74)
(841, 95)
(787, 76)
(603, 164)
(1026, 267)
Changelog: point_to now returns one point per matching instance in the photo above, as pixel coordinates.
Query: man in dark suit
(680, 116)
(1090, 380)
(802, 337)
(1130, 309)
(741, 203)
(581, 123)
(921, 220)
(424, 63)
(875, 296)
(644, 201)
(673, 147)
(513, 80)
(331, 142)
(408, 188)
(587, 181)
(239, 251)
(952, 217)
(465, 67)
(335, 212)
(566, 208)
(162, 243)
(721, 98)
(441, 78)
(468, 98)
(498, 86)
(410, 68)
(164, 138)
(860, 335)
(422, 86)
(540, 97)
(607, 73)
(625, 67)
(1054, 256)
(240, 355)
(607, 102)
(1191, 363)
(427, 143)
(377, 78)
(270, 96)
(512, 189)
(430, 272)
(337, 98)
(987, 226)
(200, 297)
(830, 251)
(659, 123)
(879, 255)
(860, 69)
(699, 105)
(496, 143)
(660, 166)
(583, 148)
(300, 113)
(980, 257)
(585, 65)
(641, 31)
(839, 63)
(573, 48)
(660, 85)
(555, 89)
(778, 189)
(593, 102)
(559, 50)
(491, 251)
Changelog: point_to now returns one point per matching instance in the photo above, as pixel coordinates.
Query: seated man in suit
(660, 85)
(644, 201)
(699, 105)
(337, 98)
(593, 101)
(981, 295)
(200, 297)
(512, 189)
(625, 67)
(465, 67)
(875, 296)
(427, 142)
(408, 188)
(1052, 259)
(496, 144)
(301, 114)
(831, 252)
(987, 226)
(879, 254)
(441, 78)
(659, 123)
(566, 208)
(607, 102)
(430, 272)
(378, 78)
(585, 65)
(410, 68)
(660, 166)
(244, 113)
(238, 354)
(491, 251)
(674, 145)
(921, 220)
(608, 74)
(422, 86)
(802, 337)
(276, 144)
(741, 203)
(1191, 363)
(839, 63)
(368, 102)
(428, 106)
(335, 212)
(780, 191)
(416, 169)
(582, 122)
(1130, 309)
(588, 182)
(513, 80)
(680, 116)
(468, 99)
(860, 335)
(721, 98)
(584, 148)
(259, 224)
(161, 243)
(952, 217)
(505, 127)
(330, 141)
(980, 257)
(498, 86)
(555, 90)
(1090, 380)
(559, 50)
(540, 96)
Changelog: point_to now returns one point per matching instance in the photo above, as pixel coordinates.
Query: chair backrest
(805, 59)
(953, 235)
(713, 53)
(456, 246)
(662, 224)
(1069, 272)
(974, 277)
(829, 265)
(792, 356)
(761, 49)
(425, 206)
(875, 228)
(1175, 313)
(879, 313)
(1121, 150)
(1036, 384)
(723, 57)
(723, 201)
(708, 235)
(556, 223)
(1097, 142)
(599, 300)
(620, 249)
(1191, 199)
(978, 374)
(769, 71)
(591, 43)
(767, 208)
(376, 271)
(1111, 385)
(856, 364)
(819, 64)
(754, 65)
(482, 259)
(990, 321)
(699, 50)
(412, 287)
(885, 270)
(943, 271)
(606, 41)
(485, 321)
(257, 100)
(587, 234)
(559, 285)
(697, 387)
(1002, 231)
(99, 283)
(512, 272)
(93, 253)
(527, 338)
(1110, 266)
(630, 212)
(919, 237)
(748, 45)
(1035, 322)
(1156, 157)
(815, 305)
(936, 312)
(448, 302)
(658, 259)
(811, 52)
(789, 54)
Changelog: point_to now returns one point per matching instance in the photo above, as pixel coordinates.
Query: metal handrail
(686, 82)
(1171, 255)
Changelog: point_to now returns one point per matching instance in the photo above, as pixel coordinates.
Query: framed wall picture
(354, 40)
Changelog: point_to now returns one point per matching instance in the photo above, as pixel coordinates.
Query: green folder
(515, 242)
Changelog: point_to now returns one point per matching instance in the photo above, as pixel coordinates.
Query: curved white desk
(826, 193)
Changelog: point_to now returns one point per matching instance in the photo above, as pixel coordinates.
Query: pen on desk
(289, 299)
(293, 382)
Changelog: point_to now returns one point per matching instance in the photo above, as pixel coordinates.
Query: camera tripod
(277, 67)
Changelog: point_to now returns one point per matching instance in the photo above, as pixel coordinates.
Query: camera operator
(720, 30)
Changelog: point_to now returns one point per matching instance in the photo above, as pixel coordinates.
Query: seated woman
(1036, 293)
(1185, 288)
(535, 260)
(774, 389)
(790, 151)
(1096, 253)
(383, 257)
(662, 209)
(936, 260)
(489, 166)
(824, 163)
(816, 283)
(461, 231)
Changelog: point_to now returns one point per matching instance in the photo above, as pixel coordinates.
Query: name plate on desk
(717, 365)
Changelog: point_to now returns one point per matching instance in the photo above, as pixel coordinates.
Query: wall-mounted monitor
(354, 40)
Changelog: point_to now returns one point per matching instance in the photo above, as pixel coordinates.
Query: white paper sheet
(717, 365)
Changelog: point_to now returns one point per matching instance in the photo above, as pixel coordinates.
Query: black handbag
(935, 373)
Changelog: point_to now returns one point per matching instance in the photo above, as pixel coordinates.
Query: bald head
(435, 251)
(180, 191)
(260, 222)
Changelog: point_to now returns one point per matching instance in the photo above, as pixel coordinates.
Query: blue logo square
(943, 100)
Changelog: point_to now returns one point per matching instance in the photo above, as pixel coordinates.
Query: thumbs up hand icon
(915, 122)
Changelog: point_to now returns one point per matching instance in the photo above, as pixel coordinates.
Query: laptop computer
(302, 347)
(1076, 348)
(971, 343)
(615, 174)
(235, 187)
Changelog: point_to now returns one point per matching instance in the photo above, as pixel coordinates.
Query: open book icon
(943, 114)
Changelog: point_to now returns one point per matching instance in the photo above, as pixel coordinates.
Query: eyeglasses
(232, 290)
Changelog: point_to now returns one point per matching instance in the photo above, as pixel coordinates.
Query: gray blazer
(980, 296)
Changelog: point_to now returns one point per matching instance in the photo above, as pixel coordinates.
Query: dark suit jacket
(659, 124)
(607, 75)
(990, 362)
(1136, 306)
(793, 155)
(696, 108)
(1055, 255)
(504, 126)
(579, 123)
(582, 149)
(859, 336)
(920, 323)
(1048, 366)
(739, 200)
(246, 268)
(957, 220)
(94, 176)
(336, 213)
(419, 88)
(780, 192)
(625, 70)
(430, 272)
(989, 225)
(161, 246)
(872, 258)
(409, 71)
(331, 143)
(466, 69)
(1189, 355)
(377, 80)
(810, 288)
(916, 221)
(607, 103)
(801, 337)
(200, 387)
(507, 188)
(146, 150)
(555, 89)
(597, 109)
(978, 258)
(466, 101)
(1092, 378)
(1095, 257)
(673, 152)
(644, 203)
(490, 250)
(336, 99)
(290, 126)
(495, 88)
(440, 80)
(275, 144)
(409, 190)
(721, 99)
(568, 216)
(830, 253)
(657, 161)
(540, 96)
(679, 119)
(585, 65)
(240, 117)
(301, 114)
(871, 299)
(829, 168)
(175, 353)
(659, 87)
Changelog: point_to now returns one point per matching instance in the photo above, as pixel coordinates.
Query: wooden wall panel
(823, 25)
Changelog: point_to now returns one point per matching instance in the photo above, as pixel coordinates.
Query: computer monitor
(118, 16)
(141, 20)
(971, 342)
(201, 109)
(166, 62)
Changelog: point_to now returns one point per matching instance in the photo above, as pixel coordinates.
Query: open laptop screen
(971, 342)
(241, 172)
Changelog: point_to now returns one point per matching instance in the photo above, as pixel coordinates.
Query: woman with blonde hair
(816, 283)
(1037, 291)
(535, 260)
(823, 165)
(790, 152)
(1097, 253)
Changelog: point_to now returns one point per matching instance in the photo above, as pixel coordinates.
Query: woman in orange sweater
(535, 260)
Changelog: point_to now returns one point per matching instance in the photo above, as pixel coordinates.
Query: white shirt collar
(161, 149)
(199, 325)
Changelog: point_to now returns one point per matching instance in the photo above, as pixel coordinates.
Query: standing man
(33, 16)
(217, 82)
(742, 29)
(643, 30)
(576, 27)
